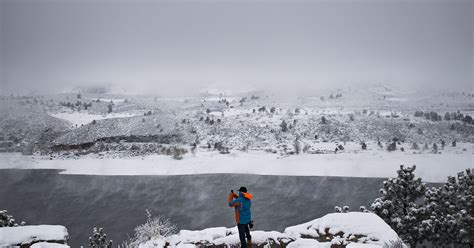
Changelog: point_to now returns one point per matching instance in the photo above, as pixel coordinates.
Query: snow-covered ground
(83, 117)
(354, 229)
(430, 167)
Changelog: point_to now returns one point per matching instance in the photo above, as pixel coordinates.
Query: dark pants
(244, 231)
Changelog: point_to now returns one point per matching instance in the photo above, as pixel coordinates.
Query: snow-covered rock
(24, 235)
(48, 245)
(354, 229)
(357, 226)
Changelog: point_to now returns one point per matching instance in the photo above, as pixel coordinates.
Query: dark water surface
(118, 203)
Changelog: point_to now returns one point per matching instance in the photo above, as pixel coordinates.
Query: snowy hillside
(84, 123)
(354, 229)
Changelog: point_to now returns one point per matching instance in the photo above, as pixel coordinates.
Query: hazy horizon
(180, 47)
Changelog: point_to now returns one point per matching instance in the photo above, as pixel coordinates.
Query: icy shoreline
(430, 167)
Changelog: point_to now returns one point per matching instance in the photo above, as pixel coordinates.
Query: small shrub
(155, 227)
(297, 146)
(284, 126)
(323, 120)
(394, 244)
(392, 147)
(99, 239)
(178, 152)
(7, 220)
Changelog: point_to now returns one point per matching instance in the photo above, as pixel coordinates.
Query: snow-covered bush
(154, 228)
(392, 147)
(178, 152)
(364, 209)
(7, 220)
(399, 206)
(99, 239)
(344, 209)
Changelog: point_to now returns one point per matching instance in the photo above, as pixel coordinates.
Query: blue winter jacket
(242, 205)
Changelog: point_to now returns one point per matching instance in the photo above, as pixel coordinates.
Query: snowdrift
(354, 229)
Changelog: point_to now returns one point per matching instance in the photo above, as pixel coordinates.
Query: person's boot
(249, 243)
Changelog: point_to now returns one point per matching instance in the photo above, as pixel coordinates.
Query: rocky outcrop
(335, 230)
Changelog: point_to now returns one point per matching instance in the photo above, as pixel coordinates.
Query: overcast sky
(177, 46)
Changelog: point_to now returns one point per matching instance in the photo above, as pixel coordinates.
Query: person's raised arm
(232, 202)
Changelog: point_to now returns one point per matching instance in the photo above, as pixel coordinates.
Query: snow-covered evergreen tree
(451, 210)
(399, 206)
(99, 239)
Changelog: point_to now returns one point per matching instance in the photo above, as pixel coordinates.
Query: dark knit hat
(243, 189)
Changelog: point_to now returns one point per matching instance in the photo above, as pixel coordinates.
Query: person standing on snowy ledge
(243, 217)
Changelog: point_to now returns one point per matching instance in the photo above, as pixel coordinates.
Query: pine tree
(451, 209)
(447, 117)
(398, 205)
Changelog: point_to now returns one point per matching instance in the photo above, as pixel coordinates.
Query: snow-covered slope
(79, 118)
(159, 125)
(355, 229)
